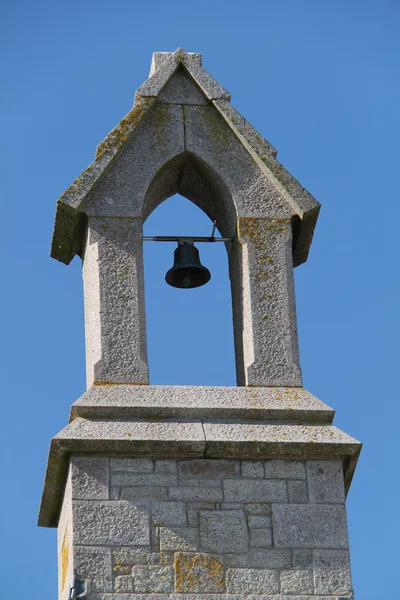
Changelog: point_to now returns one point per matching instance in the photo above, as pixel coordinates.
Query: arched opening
(189, 332)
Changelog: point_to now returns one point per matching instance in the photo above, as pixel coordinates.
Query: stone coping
(222, 596)
(165, 401)
(211, 438)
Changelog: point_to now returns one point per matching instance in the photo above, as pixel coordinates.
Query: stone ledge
(221, 596)
(178, 438)
(165, 401)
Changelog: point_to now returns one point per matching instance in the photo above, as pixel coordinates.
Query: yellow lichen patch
(64, 559)
(120, 133)
(195, 572)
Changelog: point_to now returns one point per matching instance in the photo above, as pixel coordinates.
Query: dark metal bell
(187, 271)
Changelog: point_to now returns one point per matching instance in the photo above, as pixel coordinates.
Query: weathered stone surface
(325, 481)
(123, 583)
(332, 572)
(258, 509)
(253, 468)
(214, 483)
(255, 490)
(180, 89)
(132, 479)
(94, 564)
(143, 491)
(252, 581)
(198, 573)
(99, 522)
(121, 192)
(178, 538)
(296, 582)
(128, 556)
(284, 469)
(235, 560)
(208, 468)
(258, 522)
(302, 559)
(269, 559)
(248, 440)
(297, 491)
(214, 527)
(310, 526)
(165, 466)
(153, 579)
(196, 493)
(260, 538)
(161, 401)
(89, 475)
(168, 514)
(136, 465)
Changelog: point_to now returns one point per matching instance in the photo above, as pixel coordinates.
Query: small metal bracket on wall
(78, 589)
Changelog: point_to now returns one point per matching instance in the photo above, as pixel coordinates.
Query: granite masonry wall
(183, 528)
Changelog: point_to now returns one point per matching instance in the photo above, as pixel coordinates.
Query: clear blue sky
(320, 80)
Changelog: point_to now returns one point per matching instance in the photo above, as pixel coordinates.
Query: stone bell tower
(194, 493)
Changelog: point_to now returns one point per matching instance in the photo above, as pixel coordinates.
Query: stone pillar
(183, 528)
(114, 302)
(270, 340)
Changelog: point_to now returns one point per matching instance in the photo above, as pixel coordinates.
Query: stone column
(114, 302)
(268, 329)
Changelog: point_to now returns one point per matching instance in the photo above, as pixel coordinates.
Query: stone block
(166, 401)
(130, 557)
(252, 581)
(188, 482)
(223, 531)
(325, 481)
(143, 491)
(296, 582)
(136, 465)
(165, 466)
(210, 483)
(208, 468)
(198, 573)
(235, 560)
(178, 538)
(269, 559)
(196, 494)
(123, 584)
(254, 490)
(297, 491)
(284, 469)
(132, 479)
(259, 521)
(89, 476)
(332, 572)
(153, 579)
(95, 564)
(110, 522)
(232, 506)
(302, 559)
(168, 514)
(311, 526)
(260, 538)
(192, 518)
(252, 468)
(258, 508)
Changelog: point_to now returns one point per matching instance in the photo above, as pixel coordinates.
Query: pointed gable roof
(179, 78)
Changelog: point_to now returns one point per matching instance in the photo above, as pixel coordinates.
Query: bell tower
(185, 492)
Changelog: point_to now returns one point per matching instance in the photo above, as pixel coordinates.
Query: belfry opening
(189, 332)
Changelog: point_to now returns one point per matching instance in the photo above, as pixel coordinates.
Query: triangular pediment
(182, 108)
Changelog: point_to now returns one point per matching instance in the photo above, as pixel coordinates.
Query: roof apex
(164, 65)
